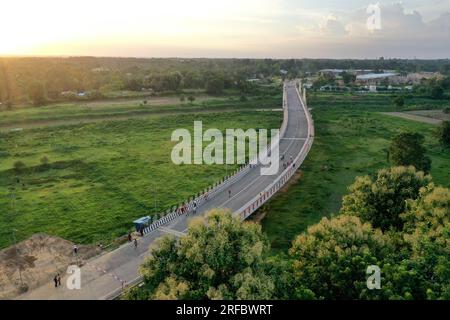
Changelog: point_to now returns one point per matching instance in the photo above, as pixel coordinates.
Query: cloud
(333, 27)
(403, 33)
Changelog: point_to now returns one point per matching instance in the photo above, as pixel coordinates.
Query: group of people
(135, 241)
(287, 163)
(184, 208)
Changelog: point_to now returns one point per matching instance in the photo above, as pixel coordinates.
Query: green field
(351, 140)
(101, 176)
(70, 112)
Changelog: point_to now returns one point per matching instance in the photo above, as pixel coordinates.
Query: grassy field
(351, 140)
(128, 108)
(101, 176)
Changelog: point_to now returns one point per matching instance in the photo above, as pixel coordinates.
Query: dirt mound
(35, 261)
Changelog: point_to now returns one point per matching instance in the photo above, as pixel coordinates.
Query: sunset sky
(231, 28)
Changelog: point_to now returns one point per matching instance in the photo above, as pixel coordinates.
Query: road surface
(102, 277)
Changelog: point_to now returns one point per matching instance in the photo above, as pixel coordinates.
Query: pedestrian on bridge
(195, 207)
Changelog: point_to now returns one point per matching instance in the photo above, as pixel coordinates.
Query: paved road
(101, 276)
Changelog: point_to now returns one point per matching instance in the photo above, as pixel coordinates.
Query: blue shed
(142, 223)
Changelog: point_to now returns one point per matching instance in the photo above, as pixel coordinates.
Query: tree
(36, 93)
(399, 101)
(191, 99)
(219, 258)
(437, 92)
(348, 78)
(19, 166)
(381, 200)
(215, 86)
(427, 233)
(444, 133)
(407, 149)
(331, 259)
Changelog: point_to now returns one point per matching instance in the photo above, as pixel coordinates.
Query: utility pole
(154, 196)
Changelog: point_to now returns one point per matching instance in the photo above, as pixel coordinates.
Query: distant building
(417, 77)
(333, 72)
(375, 78)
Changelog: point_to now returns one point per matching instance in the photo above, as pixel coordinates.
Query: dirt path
(414, 117)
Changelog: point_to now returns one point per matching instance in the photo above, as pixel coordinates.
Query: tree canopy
(219, 258)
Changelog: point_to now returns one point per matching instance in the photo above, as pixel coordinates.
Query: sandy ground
(38, 258)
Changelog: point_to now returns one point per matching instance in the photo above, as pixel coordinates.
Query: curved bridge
(105, 276)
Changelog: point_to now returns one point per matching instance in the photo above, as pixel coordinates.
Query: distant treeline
(39, 80)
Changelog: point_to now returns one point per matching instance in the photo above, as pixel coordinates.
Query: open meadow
(87, 182)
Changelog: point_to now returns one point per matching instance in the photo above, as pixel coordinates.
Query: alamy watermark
(374, 20)
(374, 277)
(189, 150)
(73, 281)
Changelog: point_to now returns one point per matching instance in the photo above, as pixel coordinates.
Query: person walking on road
(130, 238)
(194, 208)
(55, 280)
(135, 243)
(229, 194)
(59, 280)
(75, 249)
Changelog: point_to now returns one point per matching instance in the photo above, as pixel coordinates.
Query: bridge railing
(246, 210)
(210, 192)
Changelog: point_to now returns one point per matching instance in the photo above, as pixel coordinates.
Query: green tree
(191, 99)
(444, 133)
(381, 200)
(36, 93)
(215, 86)
(348, 78)
(219, 258)
(427, 232)
(407, 149)
(332, 257)
(19, 166)
(437, 92)
(399, 101)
